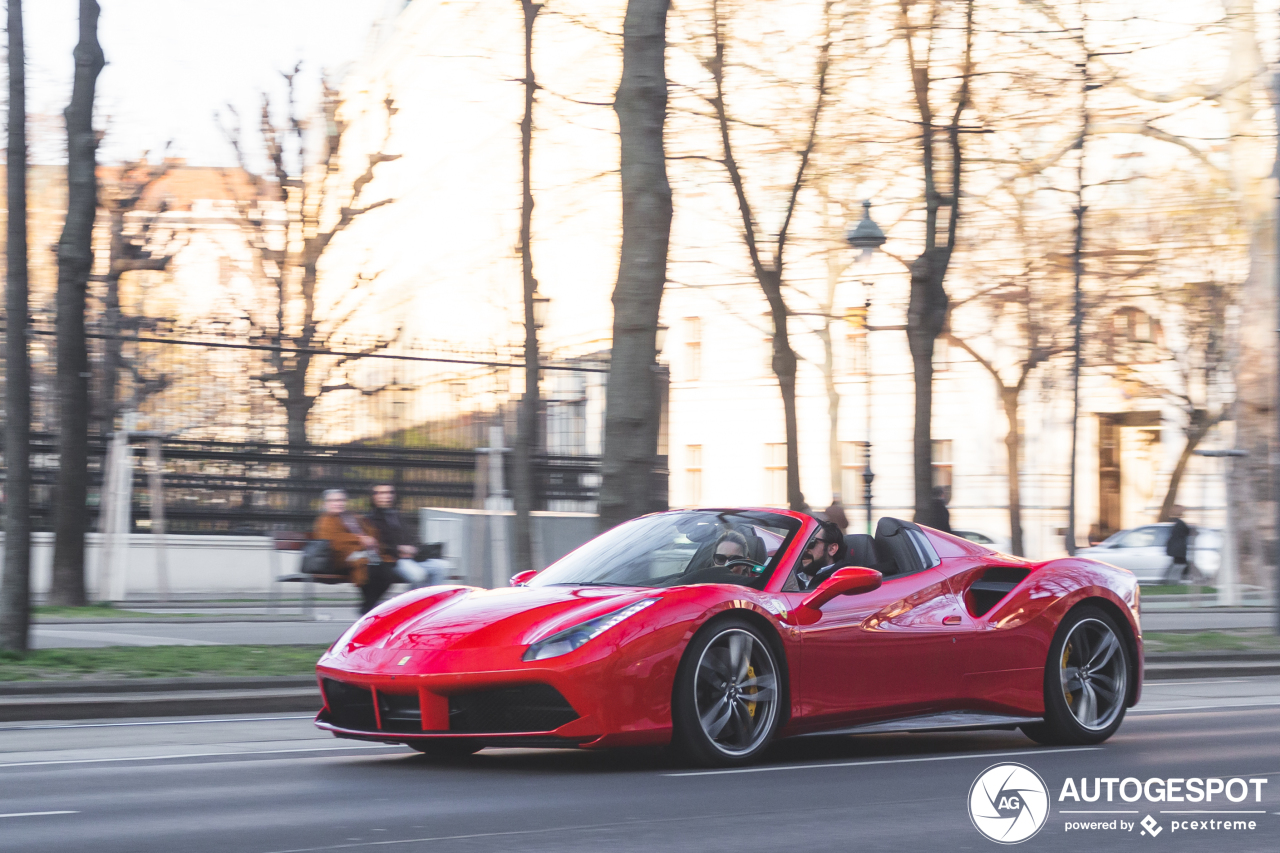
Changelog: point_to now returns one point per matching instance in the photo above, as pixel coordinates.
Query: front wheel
(1086, 681)
(727, 700)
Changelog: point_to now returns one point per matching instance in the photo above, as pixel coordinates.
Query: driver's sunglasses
(721, 559)
(820, 542)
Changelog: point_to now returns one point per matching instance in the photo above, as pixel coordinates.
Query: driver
(732, 546)
(822, 557)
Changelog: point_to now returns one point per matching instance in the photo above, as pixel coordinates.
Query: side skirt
(950, 721)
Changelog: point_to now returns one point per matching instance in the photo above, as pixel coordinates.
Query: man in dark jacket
(1176, 547)
(822, 557)
(394, 541)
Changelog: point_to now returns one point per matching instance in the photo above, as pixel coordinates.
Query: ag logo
(1008, 803)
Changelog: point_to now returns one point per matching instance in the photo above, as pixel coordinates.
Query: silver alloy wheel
(736, 692)
(1094, 675)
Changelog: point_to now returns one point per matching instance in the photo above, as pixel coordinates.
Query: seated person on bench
(353, 546)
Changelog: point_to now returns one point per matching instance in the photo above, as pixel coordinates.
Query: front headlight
(563, 642)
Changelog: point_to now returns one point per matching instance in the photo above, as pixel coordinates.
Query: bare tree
(527, 416)
(923, 25)
(75, 262)
(632, 411)
(290, 222)
(138, 242)
(769, 270)
(15, 588)
(1018, 341)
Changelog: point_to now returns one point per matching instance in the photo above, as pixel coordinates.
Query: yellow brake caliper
(753, 690)
(1066, 653)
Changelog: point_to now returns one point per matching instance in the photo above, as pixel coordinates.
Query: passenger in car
(732, 546)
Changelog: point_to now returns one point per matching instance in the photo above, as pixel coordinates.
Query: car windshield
(675, 548)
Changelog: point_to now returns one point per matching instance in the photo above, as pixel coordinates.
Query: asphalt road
(275, 784)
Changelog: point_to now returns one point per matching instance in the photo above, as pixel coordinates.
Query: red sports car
(693, 627)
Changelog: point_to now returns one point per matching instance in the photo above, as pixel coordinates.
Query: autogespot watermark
(1010, 803)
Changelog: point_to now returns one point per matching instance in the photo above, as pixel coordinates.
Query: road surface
(273, 784)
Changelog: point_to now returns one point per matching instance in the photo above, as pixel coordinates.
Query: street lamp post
(866, 237)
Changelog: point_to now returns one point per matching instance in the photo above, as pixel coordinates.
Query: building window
(942, 465)
(693, 473)
(693, 349)
(853, 459)
(855, 339)
(775, 472)
(855, 342)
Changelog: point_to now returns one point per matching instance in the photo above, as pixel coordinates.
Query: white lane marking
(119, 638)
(1173, 682)
(882, 761)
(35, 814)
(1211, 811)
(1205, 707)
(155, 723)
(197, 755)
(575, 828)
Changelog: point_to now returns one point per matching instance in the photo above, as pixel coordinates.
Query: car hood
(465, 617)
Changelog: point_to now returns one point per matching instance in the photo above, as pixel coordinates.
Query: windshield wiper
(590, 583)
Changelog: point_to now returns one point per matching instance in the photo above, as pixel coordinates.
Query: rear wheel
(727, 700)
(1086, 681)
(445, 750)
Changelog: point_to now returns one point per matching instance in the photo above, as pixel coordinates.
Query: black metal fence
(214, 487)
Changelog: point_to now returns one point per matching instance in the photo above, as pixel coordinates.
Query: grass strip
(100, 611)
(159, 662)
(1243, 640)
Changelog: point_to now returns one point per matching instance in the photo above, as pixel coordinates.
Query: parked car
(995, 543)
(1141, 550)
(648, 634)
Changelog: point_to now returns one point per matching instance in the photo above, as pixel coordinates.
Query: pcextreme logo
(1008, 803)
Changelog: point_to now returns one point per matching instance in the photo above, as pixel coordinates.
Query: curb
(156, 697)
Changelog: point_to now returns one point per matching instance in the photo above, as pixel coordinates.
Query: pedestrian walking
(941, 515)
(1176, 547)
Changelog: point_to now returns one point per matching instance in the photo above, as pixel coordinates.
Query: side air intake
(994, 584)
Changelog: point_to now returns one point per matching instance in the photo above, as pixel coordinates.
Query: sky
(171, 64)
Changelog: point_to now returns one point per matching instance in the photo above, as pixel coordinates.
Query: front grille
(350, 707)
(526, 708)
(400, 713)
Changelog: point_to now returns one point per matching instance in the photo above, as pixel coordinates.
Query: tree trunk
(527, 420)
(926, 317)
(1012, 444)
(632, 410)
(1194, 437)
(112, 361)
(15, 588)
(784, 367)
(75, 261)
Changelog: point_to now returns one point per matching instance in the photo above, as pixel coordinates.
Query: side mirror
(522, 578)
(850, 580)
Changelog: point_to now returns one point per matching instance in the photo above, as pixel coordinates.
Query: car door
(886, 653)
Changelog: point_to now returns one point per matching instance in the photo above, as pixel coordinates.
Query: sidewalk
(252, 623)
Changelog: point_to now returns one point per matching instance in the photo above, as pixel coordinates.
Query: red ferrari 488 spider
(697, 627)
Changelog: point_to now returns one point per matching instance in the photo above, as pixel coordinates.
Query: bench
(284, 542)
